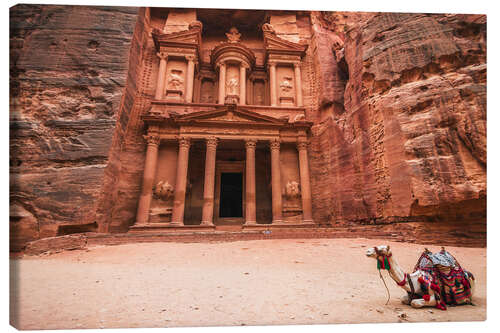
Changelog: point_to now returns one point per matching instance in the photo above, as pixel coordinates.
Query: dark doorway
(231, 195)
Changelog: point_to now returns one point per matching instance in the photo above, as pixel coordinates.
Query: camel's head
(381, 250)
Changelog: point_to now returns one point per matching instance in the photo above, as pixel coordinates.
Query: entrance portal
(231, 195)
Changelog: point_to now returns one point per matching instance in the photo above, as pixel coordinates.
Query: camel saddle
(445, 276)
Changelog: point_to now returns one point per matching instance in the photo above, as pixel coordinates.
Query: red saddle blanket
(446, 277)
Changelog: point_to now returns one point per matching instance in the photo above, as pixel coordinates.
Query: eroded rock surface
(68, 67)
(406, 138)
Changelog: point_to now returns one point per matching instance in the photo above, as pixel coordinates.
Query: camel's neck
(397, 273)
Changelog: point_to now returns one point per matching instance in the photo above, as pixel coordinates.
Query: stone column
(190, 79)
(181, 182)
(276, 181)
(272, 80)
(148, 179)
(243, 82)
(160, 83)
(222, 82)
(250, 209)
(298, 84)
(208, 188)
(305, 182)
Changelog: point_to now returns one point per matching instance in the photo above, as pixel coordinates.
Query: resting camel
(417, 298)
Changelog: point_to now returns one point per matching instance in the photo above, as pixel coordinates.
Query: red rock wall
(409, 142)
(68, 67)
(117, 204)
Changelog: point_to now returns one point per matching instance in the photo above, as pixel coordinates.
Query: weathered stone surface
(68, 69)
(410, 141)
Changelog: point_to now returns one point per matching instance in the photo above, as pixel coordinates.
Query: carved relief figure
(232, 86)
(163, 190)
(175, 80)
(292, 190)
(233, 36)
(286, 85)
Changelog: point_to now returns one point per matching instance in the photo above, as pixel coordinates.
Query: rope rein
(388, 293)
(383, 264)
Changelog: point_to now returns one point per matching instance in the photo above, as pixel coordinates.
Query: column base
(207, 223)
(277, 221)
(308, 221)
(250, 222)
(176, 224)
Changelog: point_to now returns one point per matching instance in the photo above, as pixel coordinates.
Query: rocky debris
(56, 244)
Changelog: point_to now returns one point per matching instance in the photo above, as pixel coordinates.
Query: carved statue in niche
(292, 190)
(233, 36)
(163, 190)
(286, 85)
(175, 81)
(232, 86)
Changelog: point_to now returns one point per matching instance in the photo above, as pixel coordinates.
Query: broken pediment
(275, 44)
(188, 38)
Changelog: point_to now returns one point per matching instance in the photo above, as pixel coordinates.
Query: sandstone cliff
(68, 66)
(401, 127)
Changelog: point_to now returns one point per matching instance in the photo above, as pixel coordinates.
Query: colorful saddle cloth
(446, 277)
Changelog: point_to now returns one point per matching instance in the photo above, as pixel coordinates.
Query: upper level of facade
(205, 61)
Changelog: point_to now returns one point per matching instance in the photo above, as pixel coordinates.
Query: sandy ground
(212, 284)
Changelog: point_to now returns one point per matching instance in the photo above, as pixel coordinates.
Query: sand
(263, 282)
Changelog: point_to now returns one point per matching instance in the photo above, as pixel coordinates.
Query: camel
(417, 297)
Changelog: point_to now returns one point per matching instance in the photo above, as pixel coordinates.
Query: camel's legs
(420, 302)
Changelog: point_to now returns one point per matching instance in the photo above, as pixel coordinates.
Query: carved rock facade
(250, 117)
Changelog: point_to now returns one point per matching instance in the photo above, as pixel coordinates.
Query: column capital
(296, 64)
(271, 64)
(190, 57)
(221, 63)
(275, 144)
(162, 55)
(212, 142)
(250, 143)
(184, 142)
(152, 139)
(301, 145)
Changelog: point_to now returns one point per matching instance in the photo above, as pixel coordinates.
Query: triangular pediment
(229, 115)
